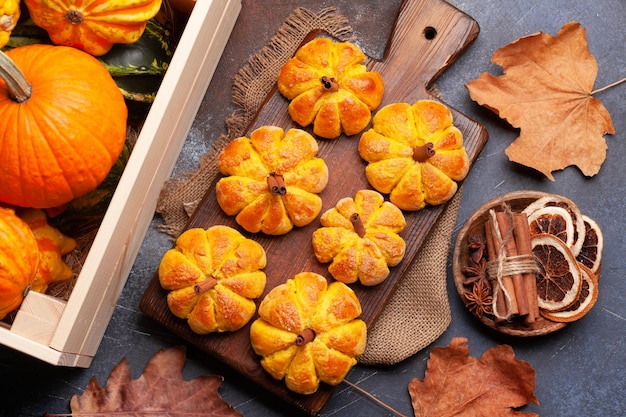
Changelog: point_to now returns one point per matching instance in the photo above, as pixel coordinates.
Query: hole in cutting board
(430, 33)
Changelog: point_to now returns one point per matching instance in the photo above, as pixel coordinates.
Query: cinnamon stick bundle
(505, 223)
(504, 306)
(509, 249)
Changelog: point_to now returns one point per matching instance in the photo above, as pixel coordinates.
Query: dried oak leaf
(546, 91)
(456, 384)
(159, 391)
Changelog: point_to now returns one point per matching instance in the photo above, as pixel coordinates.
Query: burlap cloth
(419, 312)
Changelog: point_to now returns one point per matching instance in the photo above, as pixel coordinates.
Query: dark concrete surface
(579, 369)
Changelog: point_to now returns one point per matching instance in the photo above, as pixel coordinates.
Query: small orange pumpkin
(93, 25)
(19, 260)
(63, 125)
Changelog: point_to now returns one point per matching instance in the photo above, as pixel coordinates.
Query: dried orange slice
(559, 278)
(591, 252)
(554, 200)
(554, 220)
(586, 299)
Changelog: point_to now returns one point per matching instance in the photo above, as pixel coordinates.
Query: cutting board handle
(428, 37)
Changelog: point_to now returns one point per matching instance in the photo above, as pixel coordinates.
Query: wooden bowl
(517, 201)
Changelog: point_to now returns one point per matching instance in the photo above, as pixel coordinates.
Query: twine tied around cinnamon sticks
(511, 266)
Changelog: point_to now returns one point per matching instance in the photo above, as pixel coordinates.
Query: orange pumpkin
(63, 125)
(19, 259)
(93, 25)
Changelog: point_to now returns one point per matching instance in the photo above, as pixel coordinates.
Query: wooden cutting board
(428, 37)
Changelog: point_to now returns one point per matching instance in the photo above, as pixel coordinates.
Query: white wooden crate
(69, 333)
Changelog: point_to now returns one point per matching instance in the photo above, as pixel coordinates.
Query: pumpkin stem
(75, 16)
(18, 86)
(205, 285)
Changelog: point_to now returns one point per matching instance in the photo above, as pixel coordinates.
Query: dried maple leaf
(456, 384)
(159, 391)
(546, 90)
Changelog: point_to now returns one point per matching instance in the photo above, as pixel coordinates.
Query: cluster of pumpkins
(63, 127)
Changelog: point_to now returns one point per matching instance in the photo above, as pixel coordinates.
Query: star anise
(475, 271)
(479, 300)
(476, 246)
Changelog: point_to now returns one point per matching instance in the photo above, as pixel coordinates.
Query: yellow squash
(93, 25)
(19, 260)
(9, 15)
(53, 246)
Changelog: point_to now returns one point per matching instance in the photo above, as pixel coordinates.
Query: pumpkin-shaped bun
(309, 332)
(415, 154)
(212, 276)
(272, 180)
(330, 87)
(360, 237)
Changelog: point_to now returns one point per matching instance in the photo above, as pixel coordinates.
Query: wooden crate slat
(89, 308)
